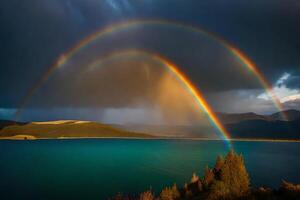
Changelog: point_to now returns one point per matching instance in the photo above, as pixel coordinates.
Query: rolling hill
(65, 129)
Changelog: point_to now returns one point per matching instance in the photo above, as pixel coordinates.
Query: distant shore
(30, 137)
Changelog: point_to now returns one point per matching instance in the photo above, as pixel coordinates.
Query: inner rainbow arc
(199, 98)
(174, 69)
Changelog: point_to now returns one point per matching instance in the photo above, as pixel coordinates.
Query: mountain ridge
(228, 118)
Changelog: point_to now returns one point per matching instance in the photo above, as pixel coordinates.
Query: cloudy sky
(34, 33)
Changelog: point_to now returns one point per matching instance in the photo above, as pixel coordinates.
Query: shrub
(286, 186)
(194, 178)
(148, 195)
(263, 194)
(289, 190)
(170, 193)
(120, 196)
(186, 191)
(194, 187)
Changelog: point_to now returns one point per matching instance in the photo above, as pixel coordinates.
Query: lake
(99, 168)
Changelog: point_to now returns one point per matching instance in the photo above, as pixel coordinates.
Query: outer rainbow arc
(239, 54)
(255, 70)
(119, 26)
(182, 77)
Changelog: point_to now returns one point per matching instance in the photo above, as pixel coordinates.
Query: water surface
(98, 168)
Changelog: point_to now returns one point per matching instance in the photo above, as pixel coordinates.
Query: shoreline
(30, 137)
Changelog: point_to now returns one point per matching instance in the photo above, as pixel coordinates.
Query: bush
(289, 190)
(170, 193)
(286, 186)
(120, 196)
(148, 195)
(194, 178)
(263, 194)
(194, 187)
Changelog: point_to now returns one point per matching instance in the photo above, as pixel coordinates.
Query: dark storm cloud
(34, 33)
(267, 31)
(293, 82)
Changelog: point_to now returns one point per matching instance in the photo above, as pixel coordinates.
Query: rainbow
(63, 59)
(255, 70)
(190, 87)
(198, 96)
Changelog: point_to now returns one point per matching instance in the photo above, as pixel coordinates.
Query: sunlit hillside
(67, 128)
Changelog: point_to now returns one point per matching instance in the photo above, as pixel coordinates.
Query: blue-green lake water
(99, 168)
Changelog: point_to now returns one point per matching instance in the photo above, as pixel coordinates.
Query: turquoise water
(98, 168)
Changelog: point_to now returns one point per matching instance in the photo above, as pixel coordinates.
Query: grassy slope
(68, 129)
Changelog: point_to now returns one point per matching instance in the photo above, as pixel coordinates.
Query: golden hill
(66, 129)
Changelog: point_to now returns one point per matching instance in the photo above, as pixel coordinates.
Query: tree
(209, 177)
(233, 180)
(219, 163)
